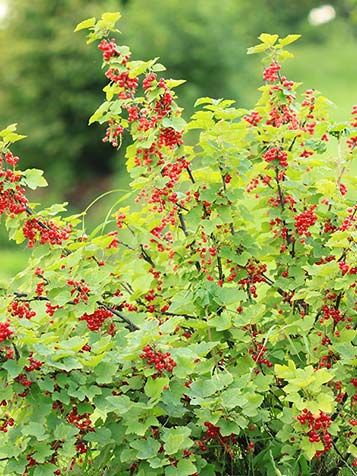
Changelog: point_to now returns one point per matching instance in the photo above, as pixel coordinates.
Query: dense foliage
(209, 328)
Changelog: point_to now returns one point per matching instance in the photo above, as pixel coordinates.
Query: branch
(190, 175)
(146, 257)
(182, 223)
(131, 326)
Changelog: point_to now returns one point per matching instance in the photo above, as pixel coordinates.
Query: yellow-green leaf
(111, 17)
(289, 39)
(268, 39)
(257, 49)
(83, 25)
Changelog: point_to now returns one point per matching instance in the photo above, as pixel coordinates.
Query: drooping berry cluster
(253, 118)
(79, 291)
(12, 198)
(305, 220)
(5, 331)
(5, 423)
(160, 361)
(109, 49)
(33, 364)
(96, 319)
(213, 433)
(318, 429)
(271, 73)
(44, 232)
(82, 422)
(21, 309)
(276, 154)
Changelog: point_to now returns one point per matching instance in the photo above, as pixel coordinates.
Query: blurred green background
(51, 80)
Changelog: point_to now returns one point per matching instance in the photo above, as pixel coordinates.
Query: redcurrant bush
(207, 327)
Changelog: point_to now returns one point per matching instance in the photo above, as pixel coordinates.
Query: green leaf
(221, 321)
(309, 448)
(233, 398)
(285, 371)
(173, 83)
(111, 17)
(147, 448)
(154, 387)
(185, 467)
(139, 67)
(13, 367)
(105, 372)
(288, 39)
(205, 100)
(176, 439)
(175, 122)
(43, 451)
(44, 469)
(34, 178)
(200, 389)
(34, 429)
(100, 112)
(85, 24)
(268, 39)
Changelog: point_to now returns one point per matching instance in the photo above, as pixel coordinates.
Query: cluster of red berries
(11, 159)
(159, 360)
(332, 313)
(50, 309)
(109, 49)
(255, 273)
(134, 113)
(148, 80)
(96, 319)
(329, 227)
(44, 232)
(82, 422)
(343, 189)
(5, 331)
(276, 153)
(122, 79)
(80, 290)
(283, 115)
(214, 433)
(271, 73)
(345, 268)
(7, 421)
(34, 364)
(114, 130)
(120, 220)
(258, 352)
(318, 429)
(174, 170)
(7, 353)
(21, 309)
(305, 220)
(163, 105)
(12, 202)
(149, 156)
(170, 138)
(253, 118)
(23, 380)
